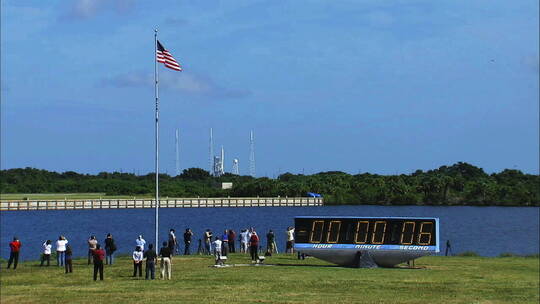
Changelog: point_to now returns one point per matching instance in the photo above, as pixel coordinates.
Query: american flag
(165, 57)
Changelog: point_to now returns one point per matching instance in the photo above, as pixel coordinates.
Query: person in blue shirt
(225, 243)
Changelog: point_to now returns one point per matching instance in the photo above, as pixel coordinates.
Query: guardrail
(163, 203)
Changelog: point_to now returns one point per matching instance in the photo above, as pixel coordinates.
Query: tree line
(459, 184)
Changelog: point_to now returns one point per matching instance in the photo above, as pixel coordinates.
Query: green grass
(61, 196)
(438, 280)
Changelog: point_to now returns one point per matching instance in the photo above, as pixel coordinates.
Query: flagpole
(156, 82)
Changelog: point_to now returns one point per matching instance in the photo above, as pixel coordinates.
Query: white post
(156, 81)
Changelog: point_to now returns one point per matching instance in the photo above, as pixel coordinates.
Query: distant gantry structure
(219, 168)
(211, 148)
(217, 163)
(235, 167)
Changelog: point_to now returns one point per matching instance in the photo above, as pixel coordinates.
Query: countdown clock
(387, 240)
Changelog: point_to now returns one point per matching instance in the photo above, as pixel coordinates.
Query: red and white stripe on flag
(165, 57)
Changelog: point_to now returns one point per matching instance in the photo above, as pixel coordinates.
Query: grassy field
(61, 196)
(437, 280)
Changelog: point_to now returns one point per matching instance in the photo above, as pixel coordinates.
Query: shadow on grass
(349, 267)
(309, 265)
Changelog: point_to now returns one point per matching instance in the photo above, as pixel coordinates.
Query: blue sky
(358, 86)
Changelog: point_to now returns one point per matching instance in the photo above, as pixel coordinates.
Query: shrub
(507, 255)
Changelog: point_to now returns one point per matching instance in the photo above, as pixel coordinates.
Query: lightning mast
(222, 162)
(251, 154)
(211, 151)
(177, 154)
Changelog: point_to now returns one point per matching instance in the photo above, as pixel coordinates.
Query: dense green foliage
(459, 184)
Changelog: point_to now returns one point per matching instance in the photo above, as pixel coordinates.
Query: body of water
(489, 231)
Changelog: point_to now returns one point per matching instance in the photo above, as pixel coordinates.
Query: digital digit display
(316, 233)
(369, 231)
(407, 233)
(332, 236)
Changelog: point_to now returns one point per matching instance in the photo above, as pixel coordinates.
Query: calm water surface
(489, 231)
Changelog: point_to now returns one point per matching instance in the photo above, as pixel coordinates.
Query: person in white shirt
(47, 248)
(140, 242)
(217, 249)
(290, 240)
(244, 240)
(60, 250)
(137, 261)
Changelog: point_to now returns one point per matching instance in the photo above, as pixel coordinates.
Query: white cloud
(86, 9)
(189, 83)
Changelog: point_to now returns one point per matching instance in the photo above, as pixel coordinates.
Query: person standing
(69, 259)
(232, 239)
(200, 249)
(99, 256)
(60, 250)
(217, 249)
(47, 249)
(448, 248)
(225, 243)
(140, 242)
(166, 261)
(244, 239)
(172, 241)
(207, 241)
(110, 248)
(150, 256)
(187, 241)
(290, 240)
(270, 237)
(14, 250)
(254, 246)
(92, 242)
(137, 261)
